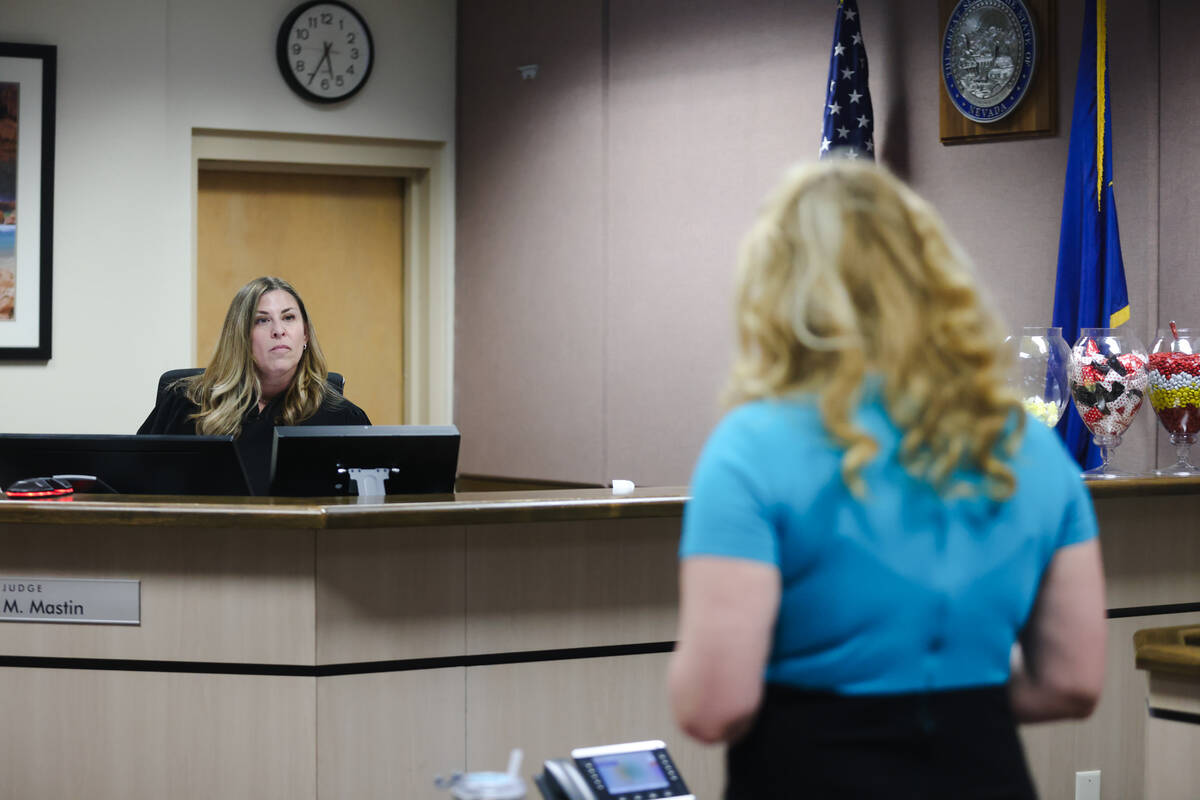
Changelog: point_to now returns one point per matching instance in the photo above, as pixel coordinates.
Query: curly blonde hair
(230, 387)
(848, 272)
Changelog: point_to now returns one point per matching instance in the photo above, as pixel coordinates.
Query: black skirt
(957, 745)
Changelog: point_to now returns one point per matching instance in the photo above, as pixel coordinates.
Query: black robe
(171, 414)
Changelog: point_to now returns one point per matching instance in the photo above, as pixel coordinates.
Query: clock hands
(324, 60)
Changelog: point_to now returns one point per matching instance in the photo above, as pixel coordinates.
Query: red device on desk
(39, 489)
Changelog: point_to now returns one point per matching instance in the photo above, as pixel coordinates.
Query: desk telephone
(631, 771)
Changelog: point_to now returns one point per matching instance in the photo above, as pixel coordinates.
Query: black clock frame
(284, 61)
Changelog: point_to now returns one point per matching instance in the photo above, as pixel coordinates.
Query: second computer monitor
(328, 460)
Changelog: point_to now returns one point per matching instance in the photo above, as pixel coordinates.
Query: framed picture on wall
(27, 87)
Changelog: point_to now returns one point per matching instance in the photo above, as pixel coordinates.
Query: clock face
(324, 51)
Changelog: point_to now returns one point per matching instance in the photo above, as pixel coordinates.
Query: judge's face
(277, 336)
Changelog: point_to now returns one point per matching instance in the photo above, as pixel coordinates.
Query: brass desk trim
(1174, 649)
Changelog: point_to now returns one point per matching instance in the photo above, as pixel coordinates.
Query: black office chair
(170, 376)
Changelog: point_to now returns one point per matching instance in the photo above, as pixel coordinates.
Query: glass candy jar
(1175, 392)
(1108, 376)
(1043, 356)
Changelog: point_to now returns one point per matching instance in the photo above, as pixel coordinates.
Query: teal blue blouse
(902, 591)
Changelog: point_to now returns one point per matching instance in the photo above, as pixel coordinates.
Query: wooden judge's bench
(335, 649)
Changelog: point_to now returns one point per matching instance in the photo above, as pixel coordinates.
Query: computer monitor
(154, 464)
(364, 460)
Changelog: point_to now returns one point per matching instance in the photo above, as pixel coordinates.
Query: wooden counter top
(397, 511)
(1147, 486)
(1174, 649)
(463, 508)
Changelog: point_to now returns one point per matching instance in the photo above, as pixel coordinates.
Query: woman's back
(900, 591)
(856, 574)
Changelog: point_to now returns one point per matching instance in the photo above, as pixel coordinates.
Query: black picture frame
(26, 182)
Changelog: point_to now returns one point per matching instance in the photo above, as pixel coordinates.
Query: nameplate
(85, 600)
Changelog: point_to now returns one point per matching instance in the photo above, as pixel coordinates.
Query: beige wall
(135, 77)
(1179, 151)
(600, 204)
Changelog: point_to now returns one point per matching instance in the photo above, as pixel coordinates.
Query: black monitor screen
(128, 464)
(326, 460)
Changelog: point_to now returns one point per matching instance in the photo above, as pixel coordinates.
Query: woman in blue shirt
(885, 564)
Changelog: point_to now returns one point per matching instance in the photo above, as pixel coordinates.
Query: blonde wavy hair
(229, 386)
(847, 272)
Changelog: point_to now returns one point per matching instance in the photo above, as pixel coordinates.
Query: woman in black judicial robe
(267, 370)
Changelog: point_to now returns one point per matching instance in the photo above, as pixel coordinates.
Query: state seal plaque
(988, 55)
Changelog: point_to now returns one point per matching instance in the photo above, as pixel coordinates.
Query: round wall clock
(988, 54)
(325, 51)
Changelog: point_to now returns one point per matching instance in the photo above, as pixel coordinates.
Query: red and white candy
(1108, 389)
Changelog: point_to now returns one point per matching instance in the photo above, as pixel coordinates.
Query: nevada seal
(988, 54)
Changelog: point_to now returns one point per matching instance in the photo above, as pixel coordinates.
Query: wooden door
(338, 240)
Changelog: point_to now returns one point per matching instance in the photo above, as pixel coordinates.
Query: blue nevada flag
(1090, 288)
(849, 128)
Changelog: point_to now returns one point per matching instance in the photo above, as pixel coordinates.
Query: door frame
(428, 251)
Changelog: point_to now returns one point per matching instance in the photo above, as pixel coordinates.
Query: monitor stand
(369, 482)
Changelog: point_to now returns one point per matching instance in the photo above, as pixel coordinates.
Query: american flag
(849, 129)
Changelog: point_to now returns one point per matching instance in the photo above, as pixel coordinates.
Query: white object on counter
(487, 785)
